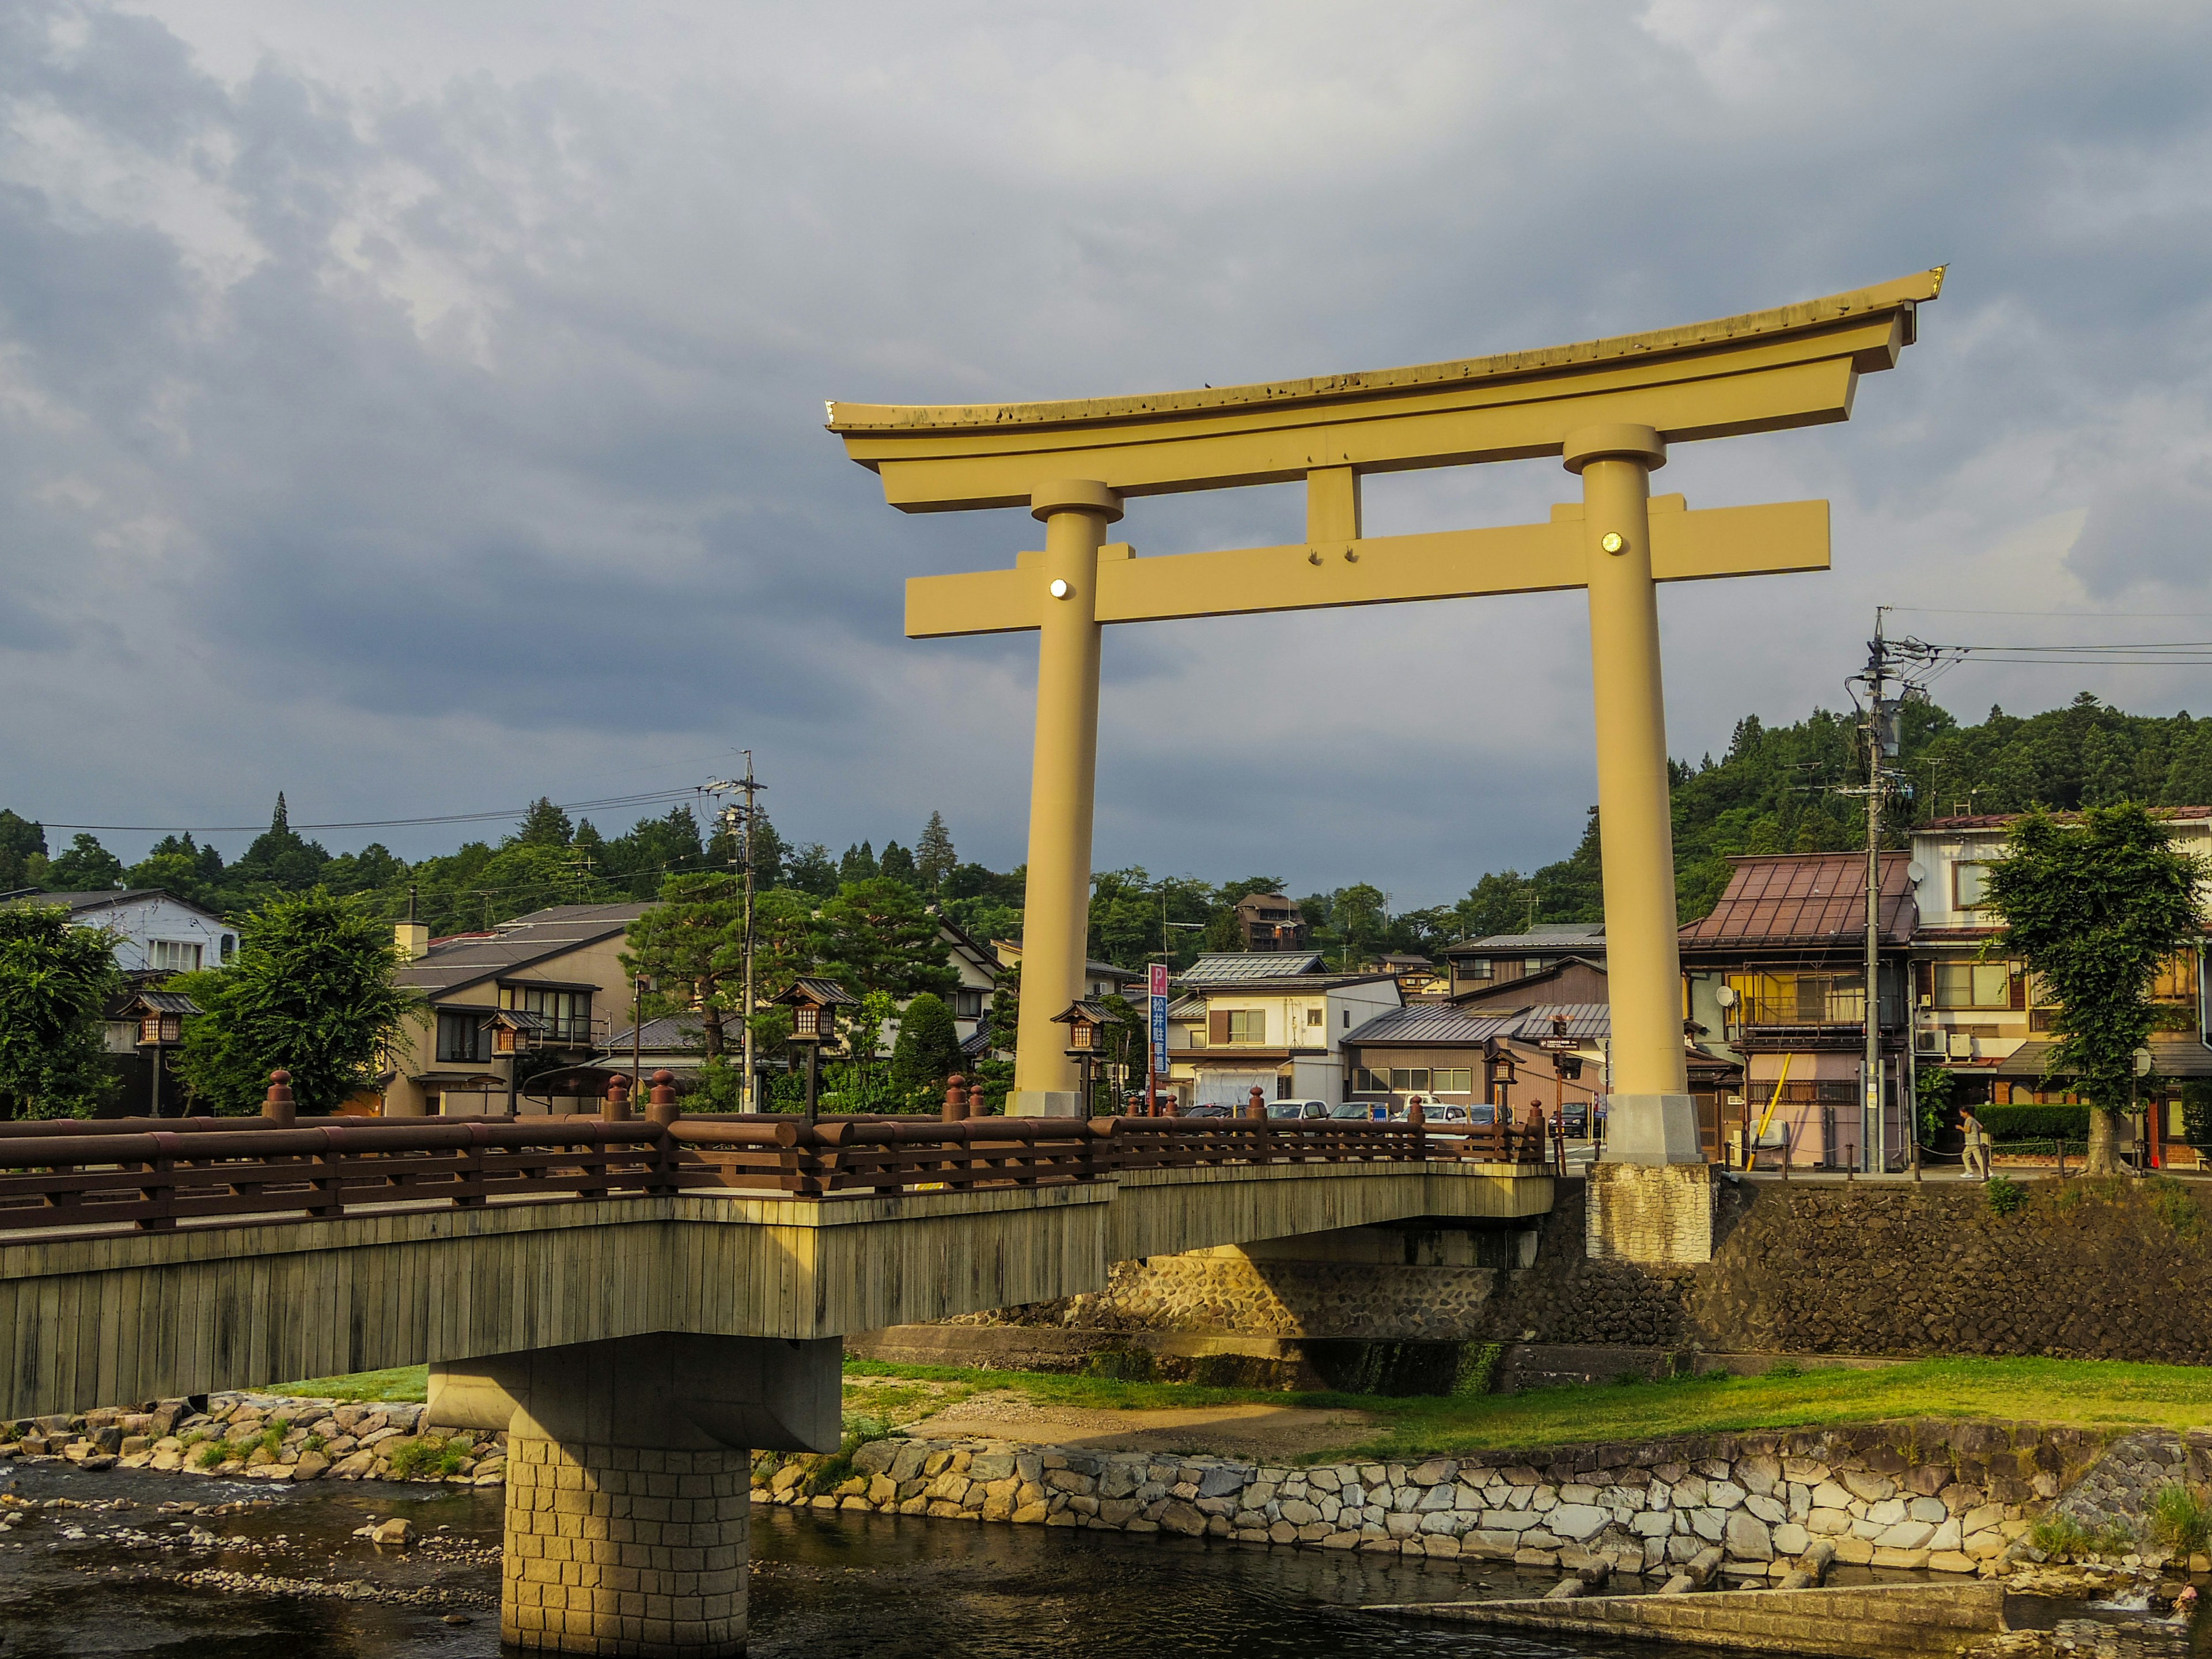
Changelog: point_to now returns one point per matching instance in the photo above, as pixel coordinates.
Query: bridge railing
(100, 1175)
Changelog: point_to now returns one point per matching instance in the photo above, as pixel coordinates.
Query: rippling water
(138, 1580)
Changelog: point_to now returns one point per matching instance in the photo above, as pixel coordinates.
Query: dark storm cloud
(431, 407)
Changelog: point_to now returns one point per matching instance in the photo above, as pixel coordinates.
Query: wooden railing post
(616, 1110)
(955, 1098)
(278, 1108)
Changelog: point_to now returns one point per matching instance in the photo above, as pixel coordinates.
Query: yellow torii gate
(1608, 407)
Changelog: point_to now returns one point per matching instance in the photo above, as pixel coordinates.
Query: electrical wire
(611, 803)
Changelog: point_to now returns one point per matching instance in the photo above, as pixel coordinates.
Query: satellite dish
(1725, 996)
(1915, 873)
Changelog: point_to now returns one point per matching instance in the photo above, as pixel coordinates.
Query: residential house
(1239, 967)
(1282, 1033)
(1778, 969)
(1477, 963)
(155, 933)
(1100, 979)
(1569, 979)
(1416, 975)
(559, 970)
(1270, 921)
(1542, 1055)
(1987, 1020)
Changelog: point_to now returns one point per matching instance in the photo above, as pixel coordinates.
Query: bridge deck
(137, 1315)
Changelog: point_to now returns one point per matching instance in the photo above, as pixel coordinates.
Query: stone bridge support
(629, 1494)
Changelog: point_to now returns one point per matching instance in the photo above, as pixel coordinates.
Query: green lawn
(2096, 1393)
(2092, 1393)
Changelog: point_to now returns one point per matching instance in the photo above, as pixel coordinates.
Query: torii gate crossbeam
(1607, 407)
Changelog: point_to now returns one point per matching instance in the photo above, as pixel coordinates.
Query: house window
(1974, 984)
(1970, 885)
(1347, 1019)
(1534, 964)
(1248, 1024)
(1364, 1082)
(229, 946)
(566, 1015)
(464, 1039)
(1476, 968)
(1404, 1080)
(1316, 1017)
(967, 1004)
(172, 955)
(1458, 1080)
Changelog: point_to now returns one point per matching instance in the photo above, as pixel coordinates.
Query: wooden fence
(101, 1174)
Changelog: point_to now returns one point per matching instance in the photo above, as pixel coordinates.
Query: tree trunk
(710, 1021)
(2104, 1142)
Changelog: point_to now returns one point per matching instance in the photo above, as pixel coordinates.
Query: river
(281, 1575)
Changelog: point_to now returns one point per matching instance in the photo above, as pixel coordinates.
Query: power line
(610, 804)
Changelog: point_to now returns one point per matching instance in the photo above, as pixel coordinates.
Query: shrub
(2180, 1519)
(2015, 1124)
(1785, 1368)
(424, 1459)
(2196, 1111)
(1120, 1364)
(1478, 1364)
(216, 1454)
(2060, 1536)
(837, 1468)
(316, 1443)
(2005, 1196)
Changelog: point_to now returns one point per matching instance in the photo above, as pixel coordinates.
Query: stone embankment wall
(261, 1437)
(1950, 1496)
(2107, 1270)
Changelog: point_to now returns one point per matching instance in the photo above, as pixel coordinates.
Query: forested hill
(1769, 793)
(1772, 793)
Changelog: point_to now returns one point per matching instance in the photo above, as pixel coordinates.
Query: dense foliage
(1771, 792)
(2096, 908)
(56, 982)
(312, 992)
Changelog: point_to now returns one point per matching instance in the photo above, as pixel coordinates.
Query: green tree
(859, 1086)
(875, 936)
(21, 842)
(2095, 908)
(933, 857)
(281, 857)
(87, 867)
(897, 865)
(314, 992)
(925, 1052)
(544, 825)
(809, 869)
(56, 982)
(692, 946)
(859, 864)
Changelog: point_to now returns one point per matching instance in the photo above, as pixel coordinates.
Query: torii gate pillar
(1650, 1117)
(1063, 775)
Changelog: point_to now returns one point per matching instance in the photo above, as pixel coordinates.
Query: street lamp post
(813, 1003)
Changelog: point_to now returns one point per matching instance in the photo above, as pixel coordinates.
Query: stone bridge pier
(629, 1494)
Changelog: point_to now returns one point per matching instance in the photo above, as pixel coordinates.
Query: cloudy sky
(417, 407)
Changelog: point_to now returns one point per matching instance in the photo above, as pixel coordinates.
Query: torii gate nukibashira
(1608, 407)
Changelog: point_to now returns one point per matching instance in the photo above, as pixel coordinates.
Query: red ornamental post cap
(660, 1105)
(975, 1099)
(617, 1107)
(955, 1098)
(278, 1104)
(1259, 1106)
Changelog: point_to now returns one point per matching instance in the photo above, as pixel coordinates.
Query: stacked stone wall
(1946, 1496)
(2118, 1269)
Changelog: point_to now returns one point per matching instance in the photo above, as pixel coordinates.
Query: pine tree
(933, 857)
(544, 825)
(859, 864)
(897, 865)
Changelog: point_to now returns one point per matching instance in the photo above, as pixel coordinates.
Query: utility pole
(750, 786)
(1879, 725)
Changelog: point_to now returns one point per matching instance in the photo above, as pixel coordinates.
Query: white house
(155, 934)
(1281, 1033)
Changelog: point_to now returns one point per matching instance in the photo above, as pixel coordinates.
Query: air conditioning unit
(1962, 1046)
(1927, 1040)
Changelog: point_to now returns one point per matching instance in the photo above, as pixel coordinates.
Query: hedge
(2006, 1123)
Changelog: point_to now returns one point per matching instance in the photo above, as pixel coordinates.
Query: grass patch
(2006, 1196)
(2097, 1392)
(402, 1384)
(2180, 1519)
(422, 1459)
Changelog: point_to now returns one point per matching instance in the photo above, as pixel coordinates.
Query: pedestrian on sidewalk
(1978, 1146)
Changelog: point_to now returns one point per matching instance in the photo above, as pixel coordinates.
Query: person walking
(1978, 1146)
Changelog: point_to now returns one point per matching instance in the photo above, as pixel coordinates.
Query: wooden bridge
(639, 1303)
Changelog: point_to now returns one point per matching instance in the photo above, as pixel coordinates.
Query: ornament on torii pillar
(1609, 408)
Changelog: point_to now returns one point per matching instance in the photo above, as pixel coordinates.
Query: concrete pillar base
(1651, 1129)
(1045, 1102)
(615, 1550)
(1655, 1215)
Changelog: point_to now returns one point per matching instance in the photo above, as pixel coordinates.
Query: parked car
(1357, 1111)
(1210, 1109)
(1298, 1108)
(1574, 1119)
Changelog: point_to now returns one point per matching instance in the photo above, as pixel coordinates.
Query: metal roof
(1806, 898)
(108, 898)
(1584, 936)
(513, 945)
(668, 1033)
(2185, 1058)
(1282, 982)
(1187, 1008)
(163, 1002)
(1241, 967)
(2004, 820)
(1447, 1022)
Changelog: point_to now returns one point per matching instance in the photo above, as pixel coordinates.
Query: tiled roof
(513, 945)
(2184, 1058)
(1241, 967)
(1281, 982)
(1447, 1022)
(1587, 938)
(1806, 898)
